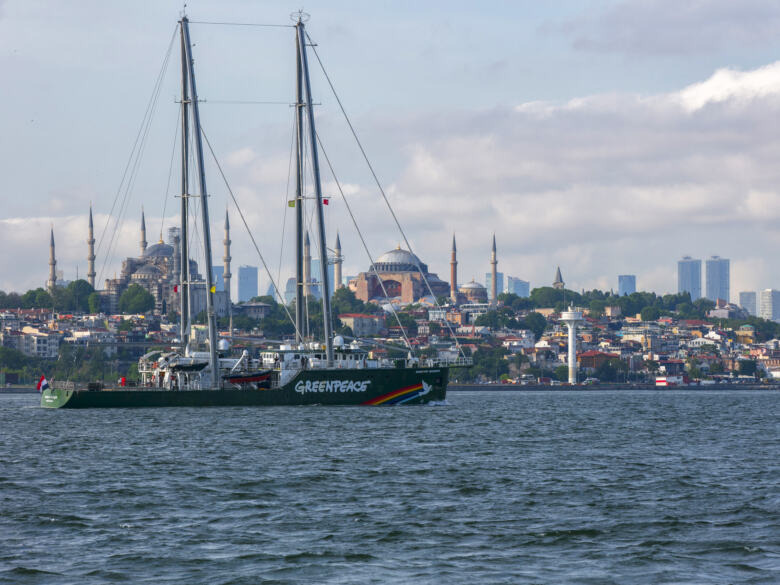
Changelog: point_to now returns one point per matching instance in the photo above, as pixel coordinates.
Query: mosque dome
(399, 260)
(472, 286)
(159, 250)
(146, 272)
(474, 292)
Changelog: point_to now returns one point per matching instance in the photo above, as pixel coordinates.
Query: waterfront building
(247, 283)
(626, 284)
(747, 300)
(518, 286)
(769, 305)
(718, 278)
(689, 277)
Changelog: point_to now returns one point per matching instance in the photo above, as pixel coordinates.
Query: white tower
(337, 261)
(572, 318)
(91, 253)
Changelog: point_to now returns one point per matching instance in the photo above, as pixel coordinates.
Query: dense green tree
(93, 303)
(80, 291)
(650, 313)
(136, 299)
(534, 322)
(561, 373)
(747, 367)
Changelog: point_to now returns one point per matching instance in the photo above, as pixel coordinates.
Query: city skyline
(448, 158)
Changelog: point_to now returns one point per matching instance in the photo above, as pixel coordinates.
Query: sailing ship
(297, 373)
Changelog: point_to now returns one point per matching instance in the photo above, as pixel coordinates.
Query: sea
(490, 487)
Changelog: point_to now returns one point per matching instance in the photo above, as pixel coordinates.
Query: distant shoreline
(590, 388)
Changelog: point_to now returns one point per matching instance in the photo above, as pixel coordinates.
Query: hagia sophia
(400, 274)
(397, 276)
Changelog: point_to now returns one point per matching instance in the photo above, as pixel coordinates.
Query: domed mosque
(399, 272)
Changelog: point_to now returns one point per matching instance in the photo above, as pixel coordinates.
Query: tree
(535, 322)
(136, 299)
(561, 373)
(80, 291)
(747, 367)
(93, 302)
(650, 314)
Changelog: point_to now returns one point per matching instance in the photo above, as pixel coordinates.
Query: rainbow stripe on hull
(400, 396)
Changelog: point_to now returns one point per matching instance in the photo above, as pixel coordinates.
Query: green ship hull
(370, 387)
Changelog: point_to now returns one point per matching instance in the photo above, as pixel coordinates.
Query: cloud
(667, 27)
(601, 185)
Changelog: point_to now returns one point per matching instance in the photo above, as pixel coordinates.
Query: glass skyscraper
(518, 286)
(689, 277)
(626, 284)
(247, 283)
(718, 278)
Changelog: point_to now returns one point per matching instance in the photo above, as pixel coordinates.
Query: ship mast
(303, 66)
(299, 284)
(184, 265)
(204, 207)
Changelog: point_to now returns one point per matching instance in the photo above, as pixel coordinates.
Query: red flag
(325, 201)
(175, 288)
(42, 384)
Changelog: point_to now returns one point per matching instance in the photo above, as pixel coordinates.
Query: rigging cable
(246, 226)
(127, 182)
(363, 241)
(379, 186)
(286, 207)
(170, 174)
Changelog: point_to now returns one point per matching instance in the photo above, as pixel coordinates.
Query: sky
(604, 137)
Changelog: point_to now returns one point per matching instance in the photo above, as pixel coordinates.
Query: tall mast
(204, 208)
(299, 284)
(184, 265)
(326, 316)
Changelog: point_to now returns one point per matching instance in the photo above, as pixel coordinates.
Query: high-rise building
(689, 277)
(289, 291)
(518, 286)
(718, 278)
(218, 273)
(747, 300)
(769, 304)
(316, 277)
(247, 283)
(626, 284)
(489, 283)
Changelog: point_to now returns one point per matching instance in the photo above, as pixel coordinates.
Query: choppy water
(504, 487)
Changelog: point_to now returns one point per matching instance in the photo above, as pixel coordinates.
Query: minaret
(91, 252)
(494, 273)
(454, 272)
(226, 258)
(307, 266)
(52, 282)
(337, 264)
(558, 283)
(143, 233)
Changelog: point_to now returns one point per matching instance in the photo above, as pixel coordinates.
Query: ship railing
(458, 362)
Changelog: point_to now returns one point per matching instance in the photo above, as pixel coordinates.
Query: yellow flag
(291, 203)
(213, 289)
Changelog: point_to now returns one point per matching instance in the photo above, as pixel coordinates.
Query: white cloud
(601, 185)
